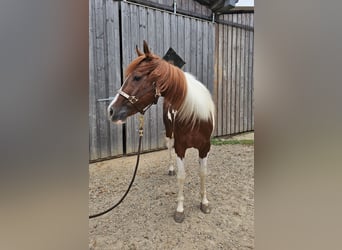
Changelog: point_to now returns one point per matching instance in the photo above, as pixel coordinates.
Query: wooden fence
(234, 74)
(226, 68)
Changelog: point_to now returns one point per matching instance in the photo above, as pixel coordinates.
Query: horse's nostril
(111, 112)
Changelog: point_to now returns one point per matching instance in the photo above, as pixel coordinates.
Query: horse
(188, 113)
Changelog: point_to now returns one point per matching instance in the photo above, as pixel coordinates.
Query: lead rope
(141, 133)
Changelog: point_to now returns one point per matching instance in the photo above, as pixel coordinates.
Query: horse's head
(139, 90)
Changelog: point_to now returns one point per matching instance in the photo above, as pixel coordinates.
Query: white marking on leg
(169, 144)
(203, 174)
(180, 178)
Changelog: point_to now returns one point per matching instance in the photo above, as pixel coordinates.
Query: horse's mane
(187, 95)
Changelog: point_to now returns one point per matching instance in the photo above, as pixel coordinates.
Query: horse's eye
(137, 78)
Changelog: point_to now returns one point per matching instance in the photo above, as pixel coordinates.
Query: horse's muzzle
(117, 115)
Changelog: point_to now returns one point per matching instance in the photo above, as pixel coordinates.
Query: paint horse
(188, 112)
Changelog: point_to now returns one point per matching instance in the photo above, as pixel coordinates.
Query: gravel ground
(145, 218)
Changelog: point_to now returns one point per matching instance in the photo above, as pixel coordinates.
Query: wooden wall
(234, 74)
(105, 140)
(219, 55)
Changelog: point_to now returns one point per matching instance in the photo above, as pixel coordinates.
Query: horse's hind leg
(203, 174)
(179, 215)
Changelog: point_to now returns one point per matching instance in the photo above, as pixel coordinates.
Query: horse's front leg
(179, 215)
(169, 144)
(203, 174)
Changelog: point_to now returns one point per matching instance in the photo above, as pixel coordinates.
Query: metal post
(174, 6)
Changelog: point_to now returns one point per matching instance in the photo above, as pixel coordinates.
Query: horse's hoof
(172, 172)
(205, 208)
(179, 217)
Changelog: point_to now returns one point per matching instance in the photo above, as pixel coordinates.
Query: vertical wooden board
(249, 126)
(242, 75)
(126, 59)
(234, 79)
(174, 32)
(135, 40)
(206, 11)
(245, 105)
(225, 77)
(191, 6)
(199, 69)
(215, 77)
(187, 53)
(211, 55)
(198, 7)
(229, 80)
(139, 27)
(204, 56)
(114, 75)
(252, 70)
(159, 138)
(166, 31)
(193, 46)
(181, 4)
(250, 76)
(220, 80)
(166, 46)
(101, 55)
(151, 31)
(238, 68)
(180, 36)
(93, 140)
(142, 27)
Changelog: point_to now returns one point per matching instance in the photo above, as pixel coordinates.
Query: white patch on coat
(180, 178)
(198, 103)
(169, 115)
(203, 175)
(169, 144)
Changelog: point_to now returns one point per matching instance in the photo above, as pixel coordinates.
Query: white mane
(198, 104)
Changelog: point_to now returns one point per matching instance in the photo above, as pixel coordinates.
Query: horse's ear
(146, 49)
(138, 51)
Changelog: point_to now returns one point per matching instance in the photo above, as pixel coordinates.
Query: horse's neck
(175, 89)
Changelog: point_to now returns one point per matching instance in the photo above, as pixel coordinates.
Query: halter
(133, 99)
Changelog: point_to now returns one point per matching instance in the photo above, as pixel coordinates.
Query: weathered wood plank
(114, 74)
(187, 41)
(211, 55)
(219, 105)
(160, 132)
(234, 78)
(245, 114)
(166, 31)
(249, 78)
(93, 139)
(180, 36)
(126, 59)
(199, 70)
(242, 74)
(238, 67)
(251, 71)
(225, 78)
(153, 126)
(229, 80)
(174, 32)
(204, 56)
(101, 68)
(193, 46)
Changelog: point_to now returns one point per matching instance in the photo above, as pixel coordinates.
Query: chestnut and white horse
(188, 112)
